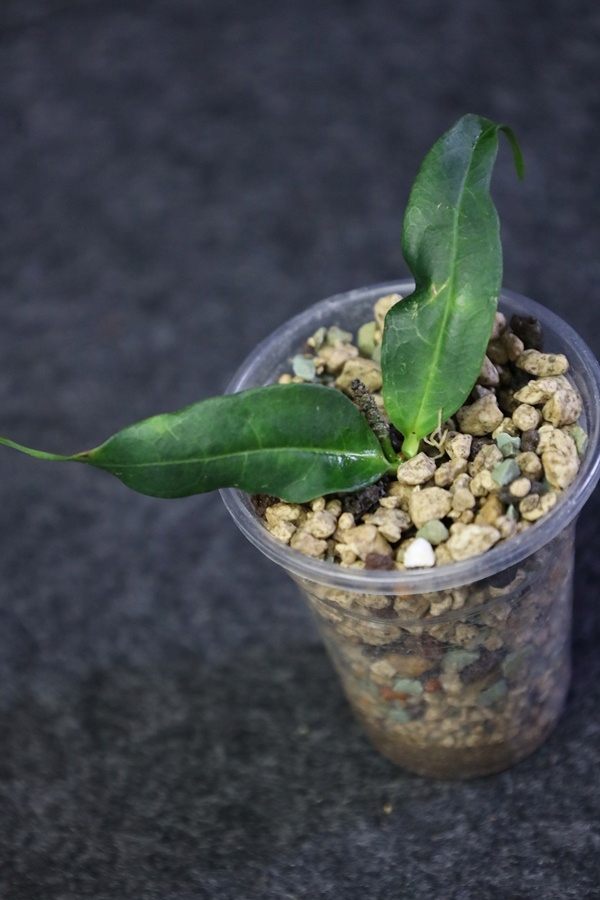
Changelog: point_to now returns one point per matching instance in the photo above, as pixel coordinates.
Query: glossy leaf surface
(295, 441)
(434, 340)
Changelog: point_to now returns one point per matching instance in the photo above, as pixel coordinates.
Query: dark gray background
(178, 177)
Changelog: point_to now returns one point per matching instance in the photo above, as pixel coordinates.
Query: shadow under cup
(461, 670)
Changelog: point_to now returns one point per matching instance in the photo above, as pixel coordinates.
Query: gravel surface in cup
(485, 475)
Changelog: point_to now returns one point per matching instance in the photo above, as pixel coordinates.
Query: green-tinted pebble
(508, 445)
(493, 694)
(457, 660)
(580, 438)
(318, 338)
(402, 716)
(512, 513)
(337, 335)
(408, 686)
(506, 471)
(434, 531)
(513, 661)
(376, 354)
(365, 339)
(303, 367)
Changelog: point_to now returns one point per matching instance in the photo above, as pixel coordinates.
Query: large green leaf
(296, 441)
(434, 340)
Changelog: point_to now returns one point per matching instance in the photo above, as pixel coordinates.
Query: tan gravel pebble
(481, 417)
(483, 484)
(506, 426)
(367, 370)
(283, 531)
(488, 458)
(458, 446)
(514, 346)
(463, 499)
(542, 364)
(530, 465)
(563, 408)
(382, 307)
(335, 357)
(365, 539)
(541, 389)
(526, 417)
(472, 540)
(429, 503)
(491, 510)
(417, 470)
(520, 487)
(282, 512)
(389, 522)
(449, 471)
(307, 544)
(560, 469)
(559, 456)
(534, 507)
(321, 524)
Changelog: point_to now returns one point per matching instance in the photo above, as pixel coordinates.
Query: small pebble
(449, 471)
(457, 660)
(526, 417)
(420, 554)
(507, 445)
(580, 438)
(542, 364)
(417, 470)
(482, 417)
(506, 472)
(533, 507)
(563, 408)
(368, 371)
(382, 307)
(515, 491)
(336, 335)
(434, 531)
(491, 511)
(408, 686)
(530, 465)
(303, 367)
(529, 330)
(365, 339)
(429, 503)
(458, 446)
(493, 694)
(472, 540)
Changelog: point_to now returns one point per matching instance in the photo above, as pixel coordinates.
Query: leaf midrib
(369, 454)
(432, 369)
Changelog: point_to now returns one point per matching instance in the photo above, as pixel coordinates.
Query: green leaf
(295, 441)
(434, 340)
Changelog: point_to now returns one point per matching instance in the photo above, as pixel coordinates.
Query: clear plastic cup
(461, 670)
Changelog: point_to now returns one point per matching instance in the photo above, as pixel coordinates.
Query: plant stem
(410, 445)
(363, 398)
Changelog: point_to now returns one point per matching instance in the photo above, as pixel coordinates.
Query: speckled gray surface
(178, 177)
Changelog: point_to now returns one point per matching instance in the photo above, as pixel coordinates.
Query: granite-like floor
(178, 177)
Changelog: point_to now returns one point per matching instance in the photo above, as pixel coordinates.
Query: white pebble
(420, 554)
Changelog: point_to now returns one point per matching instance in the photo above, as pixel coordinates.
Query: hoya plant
(300, 441)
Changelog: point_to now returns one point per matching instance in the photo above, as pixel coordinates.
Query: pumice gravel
(485, 475)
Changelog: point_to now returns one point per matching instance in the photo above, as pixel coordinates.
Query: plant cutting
(391, 464)
(300, 441)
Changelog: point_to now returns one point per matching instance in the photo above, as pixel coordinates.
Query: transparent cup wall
(460, 670)
(461, 682)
